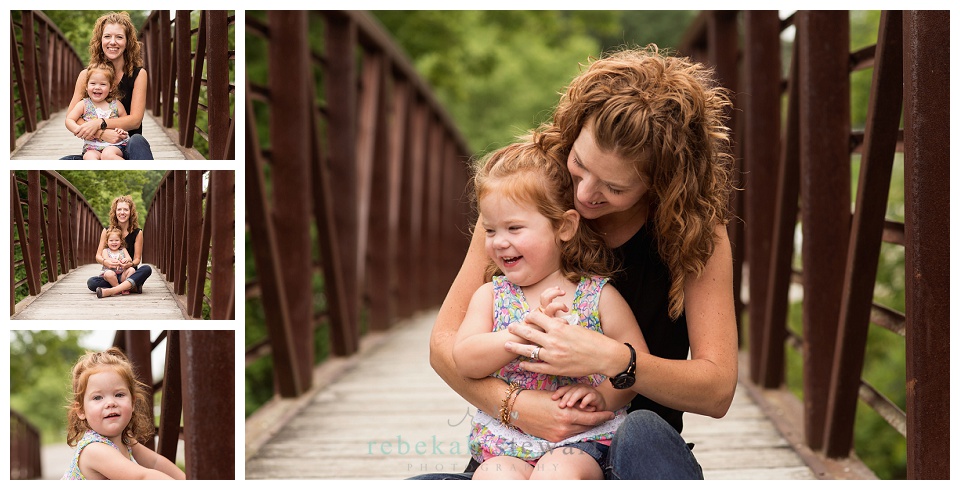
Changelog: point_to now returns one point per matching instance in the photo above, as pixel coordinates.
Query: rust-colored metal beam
(926, 37)
(825, 194)
(761, 150)
(863, 250)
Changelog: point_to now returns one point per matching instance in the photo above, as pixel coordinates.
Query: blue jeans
(138, 277)
(137, 149)
(645, 447)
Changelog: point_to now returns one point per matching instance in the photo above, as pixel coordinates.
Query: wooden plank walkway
(387, 415)
(52, 140)
(69, 299)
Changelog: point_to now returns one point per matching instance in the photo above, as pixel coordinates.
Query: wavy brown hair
(132, 56)
(140, 428)
(668, 115)
(527, 172)
(133, 222)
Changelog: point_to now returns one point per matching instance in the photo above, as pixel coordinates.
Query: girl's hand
(114, 135)
(566, 350)
(110, 263)
(89, 129)
(590, 399)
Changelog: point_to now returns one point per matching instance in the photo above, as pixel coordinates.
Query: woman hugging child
(539, 249)
(100, 103)
(107, 422)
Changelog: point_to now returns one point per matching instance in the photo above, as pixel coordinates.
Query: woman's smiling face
(113, 41)
(123, 212)
(604, 182)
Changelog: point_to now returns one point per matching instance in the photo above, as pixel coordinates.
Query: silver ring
(535, 354)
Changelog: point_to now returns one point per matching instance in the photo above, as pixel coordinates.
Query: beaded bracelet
(504, 405)
(513, 415)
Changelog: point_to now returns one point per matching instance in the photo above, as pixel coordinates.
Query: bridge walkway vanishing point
(52, 140)
(385, 414)
(69, 299)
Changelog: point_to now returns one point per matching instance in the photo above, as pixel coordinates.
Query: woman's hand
(566, 350)
(89, 129)
(111, 263)
(541, 416)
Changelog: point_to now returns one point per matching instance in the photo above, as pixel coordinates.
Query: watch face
(623, 381)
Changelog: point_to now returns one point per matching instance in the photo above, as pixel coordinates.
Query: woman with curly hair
(114, 41)
(108, 411)
(643, 135)
(123, 216)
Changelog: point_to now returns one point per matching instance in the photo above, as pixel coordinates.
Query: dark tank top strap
(126, 90)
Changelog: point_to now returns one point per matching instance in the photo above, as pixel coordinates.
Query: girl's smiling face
(107, 403)
(98, 86)
(114, 241)
(519, 240)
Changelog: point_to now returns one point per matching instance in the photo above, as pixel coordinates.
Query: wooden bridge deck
(52, 140)
(69, 299)
(384, 414)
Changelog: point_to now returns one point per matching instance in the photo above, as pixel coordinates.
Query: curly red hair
(668, 115)
(140, 428)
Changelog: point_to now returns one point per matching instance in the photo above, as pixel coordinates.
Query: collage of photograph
(478, 245)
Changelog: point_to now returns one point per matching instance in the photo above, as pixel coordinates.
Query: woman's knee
(138, 148)
(93, 283)
(144, 271)
(642, 424)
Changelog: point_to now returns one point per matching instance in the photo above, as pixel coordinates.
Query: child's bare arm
(149, 458)
(104, 460)
(71, 120)
(478, 350)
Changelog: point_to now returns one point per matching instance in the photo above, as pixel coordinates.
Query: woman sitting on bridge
(123, 216)
(644, 138)
(114, 41)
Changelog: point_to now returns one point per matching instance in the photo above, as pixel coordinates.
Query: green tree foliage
(77, 26)
(101, 187)
(40, 364)
(500, 73)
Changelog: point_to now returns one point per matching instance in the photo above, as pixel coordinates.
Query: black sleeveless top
(644, 281)
(131, 241)
(126, 88)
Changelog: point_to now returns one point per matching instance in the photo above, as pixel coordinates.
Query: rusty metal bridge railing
(808, 158)
(347, 140)
(167, 59)
(184, 80)
(197, 387)
(24, 448)
(191, 240)
(45, 69)
(54, 231)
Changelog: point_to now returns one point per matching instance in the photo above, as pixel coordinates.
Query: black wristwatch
(103, 123)
(626, 379)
